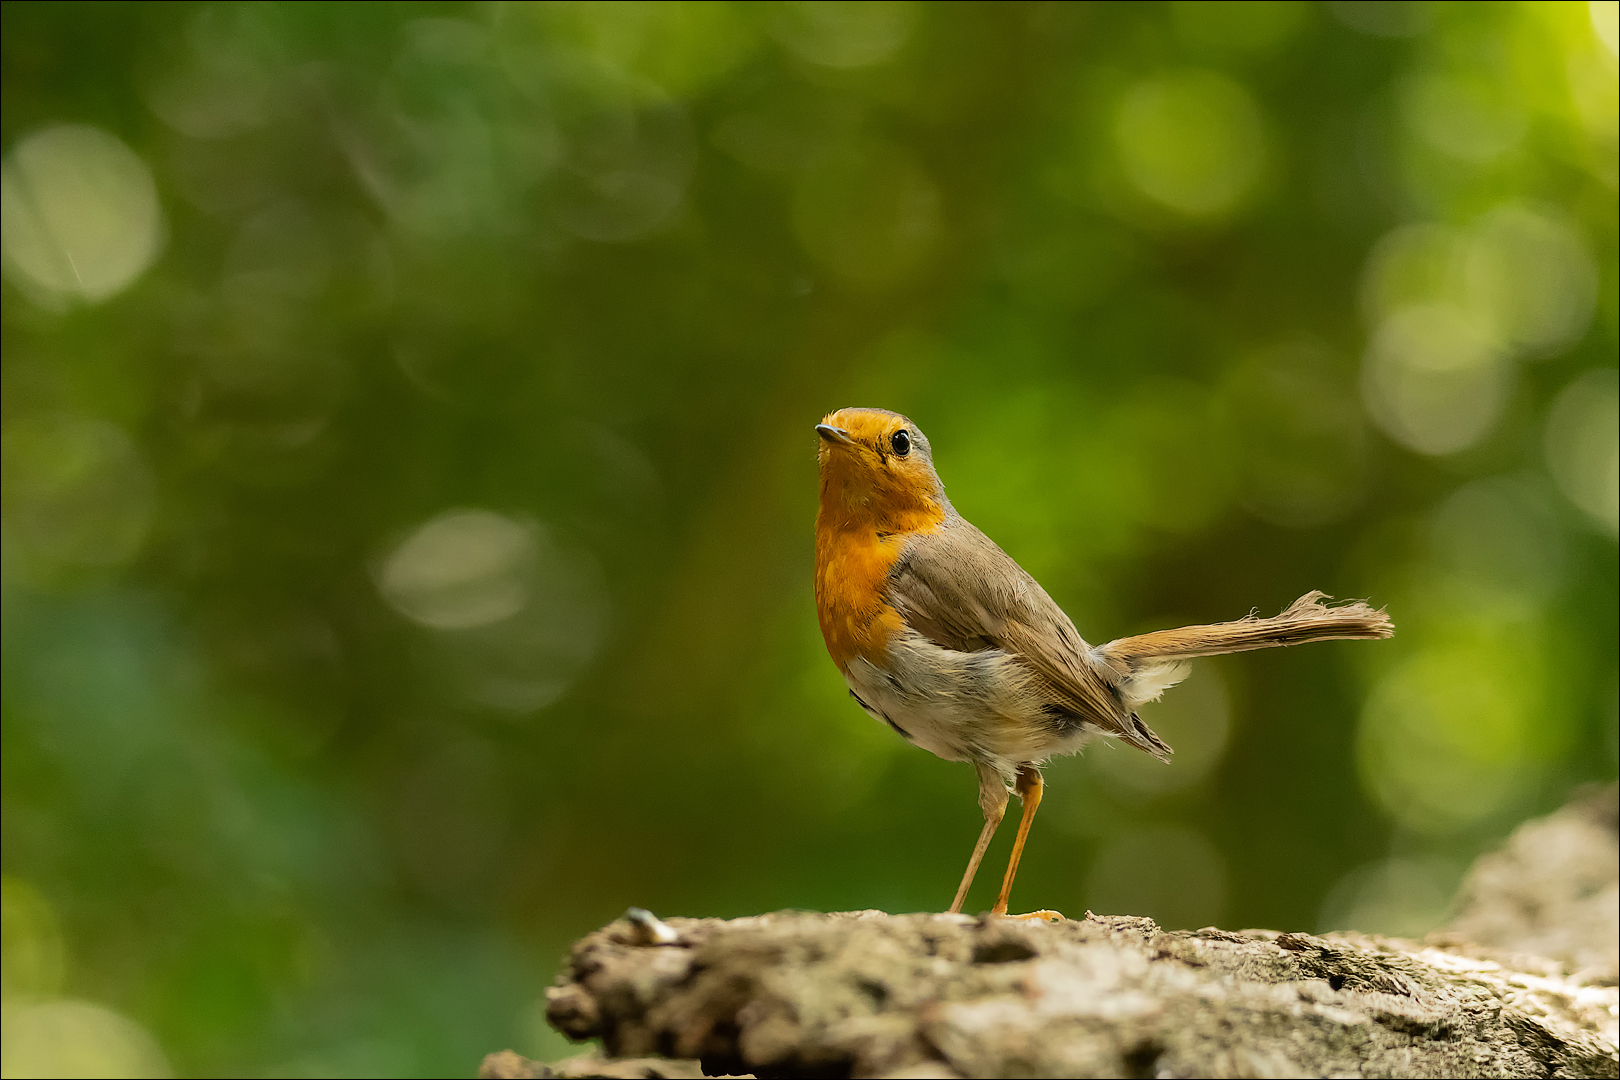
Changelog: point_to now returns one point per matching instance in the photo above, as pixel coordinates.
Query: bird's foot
(1043, 915)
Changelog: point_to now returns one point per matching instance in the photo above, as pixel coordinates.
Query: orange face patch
(865, 480)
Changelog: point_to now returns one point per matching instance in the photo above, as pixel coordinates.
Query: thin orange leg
(993, 801)
(1029, 787)
(985, 834)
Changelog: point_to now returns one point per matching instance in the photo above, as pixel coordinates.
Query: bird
(943, 637)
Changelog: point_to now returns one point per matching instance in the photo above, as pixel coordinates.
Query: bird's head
(877, 464)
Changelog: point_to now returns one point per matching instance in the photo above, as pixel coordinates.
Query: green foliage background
(303, 783)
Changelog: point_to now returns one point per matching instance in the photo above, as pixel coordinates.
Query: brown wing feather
(961, 591)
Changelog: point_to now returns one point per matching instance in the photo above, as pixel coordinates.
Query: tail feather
(1306, 619)
(1141, 668)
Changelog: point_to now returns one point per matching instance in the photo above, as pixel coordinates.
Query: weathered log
(869, 994)
(1553, 889)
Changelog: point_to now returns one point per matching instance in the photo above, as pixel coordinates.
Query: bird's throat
(854, 500)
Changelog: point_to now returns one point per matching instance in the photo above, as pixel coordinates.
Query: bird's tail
(1306, 619)
(1148, 663)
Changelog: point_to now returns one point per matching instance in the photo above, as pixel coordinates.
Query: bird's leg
(1028, 787)
(993, 801)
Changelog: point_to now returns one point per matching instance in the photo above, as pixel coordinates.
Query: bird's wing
(958, 589)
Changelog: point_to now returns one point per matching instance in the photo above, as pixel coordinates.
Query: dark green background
(599, 269)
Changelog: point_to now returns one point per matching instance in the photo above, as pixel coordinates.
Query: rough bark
(869, 994)
(1552, 890)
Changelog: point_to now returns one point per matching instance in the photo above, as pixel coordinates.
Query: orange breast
(869, 508)
(851, 567)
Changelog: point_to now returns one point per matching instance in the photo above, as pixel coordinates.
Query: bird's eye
(901, 442)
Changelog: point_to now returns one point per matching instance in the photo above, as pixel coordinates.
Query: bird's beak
(837, 436)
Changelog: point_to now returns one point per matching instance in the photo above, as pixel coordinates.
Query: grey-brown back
(961, 591)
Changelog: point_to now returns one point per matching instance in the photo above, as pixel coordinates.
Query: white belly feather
(959, 706)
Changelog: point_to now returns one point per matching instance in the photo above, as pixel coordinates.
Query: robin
(946, 639)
